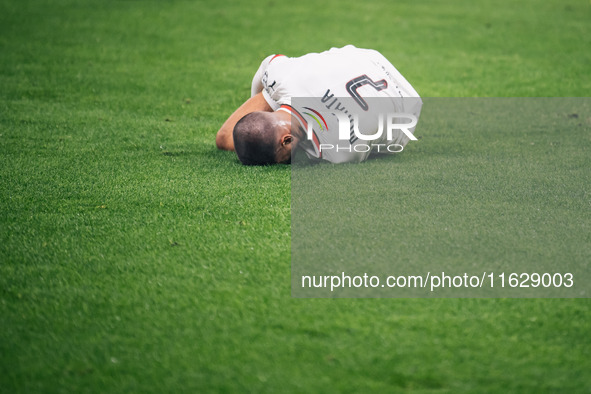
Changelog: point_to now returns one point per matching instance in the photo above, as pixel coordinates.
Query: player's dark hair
(253, 140)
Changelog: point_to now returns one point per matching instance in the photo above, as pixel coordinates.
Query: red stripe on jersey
(276, 56)
(293, 111)
(304, 124)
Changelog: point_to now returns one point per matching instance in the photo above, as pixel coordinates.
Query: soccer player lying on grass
(332, 85)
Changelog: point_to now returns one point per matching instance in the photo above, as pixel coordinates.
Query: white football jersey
(318, 88)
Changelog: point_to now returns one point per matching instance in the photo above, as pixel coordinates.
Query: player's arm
(225, 139)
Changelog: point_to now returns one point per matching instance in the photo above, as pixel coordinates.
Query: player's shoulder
(352, 49)
(349, 49)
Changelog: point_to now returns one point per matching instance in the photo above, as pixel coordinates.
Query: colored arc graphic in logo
(315, 116)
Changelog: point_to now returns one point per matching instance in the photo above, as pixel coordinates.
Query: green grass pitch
(134, 257)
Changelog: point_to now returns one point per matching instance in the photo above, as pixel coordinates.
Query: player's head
(260, 138)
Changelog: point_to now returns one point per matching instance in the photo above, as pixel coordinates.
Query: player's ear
(286, 139)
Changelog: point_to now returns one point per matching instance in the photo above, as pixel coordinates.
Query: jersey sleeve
(257, 81)
(271, 101)
(276, 81)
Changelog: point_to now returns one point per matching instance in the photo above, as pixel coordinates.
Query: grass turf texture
(135, 257)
